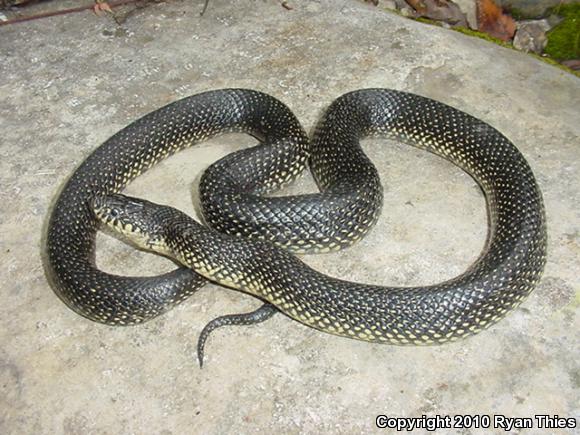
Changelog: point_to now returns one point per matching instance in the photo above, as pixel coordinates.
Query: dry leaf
(102, 7)
(492, 20)
(105, 7)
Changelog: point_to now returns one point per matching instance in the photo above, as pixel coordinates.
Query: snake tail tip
(200, 346)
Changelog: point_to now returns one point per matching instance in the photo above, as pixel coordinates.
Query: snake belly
(505, 273)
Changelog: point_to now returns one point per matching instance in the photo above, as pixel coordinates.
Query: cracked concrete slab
(68, 83)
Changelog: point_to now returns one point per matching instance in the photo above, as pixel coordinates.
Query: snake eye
(114, 213)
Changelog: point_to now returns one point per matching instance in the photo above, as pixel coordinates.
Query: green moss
(497, 41)
(465, 31)
(565, 9)
(426, 21)
(564, 39)
(481, 35)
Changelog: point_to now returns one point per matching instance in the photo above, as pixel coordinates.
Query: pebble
(531, 36)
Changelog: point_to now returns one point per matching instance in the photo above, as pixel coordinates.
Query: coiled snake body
(344, 211)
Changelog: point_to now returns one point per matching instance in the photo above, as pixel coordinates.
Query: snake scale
(233, 201)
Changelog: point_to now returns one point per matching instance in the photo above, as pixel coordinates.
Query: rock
(450, 13)
(9, 3)
(389, 4)
(402, 4)
(572, 64)
(468, 7)
(531, 36)
(530, 8)
(444, 11)
(408, 12)
(405, 9)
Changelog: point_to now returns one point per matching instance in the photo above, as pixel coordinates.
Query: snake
(251, 237)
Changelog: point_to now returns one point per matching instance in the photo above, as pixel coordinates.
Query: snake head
(136, 219)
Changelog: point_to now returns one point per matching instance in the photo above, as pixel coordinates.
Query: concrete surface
(70, 82)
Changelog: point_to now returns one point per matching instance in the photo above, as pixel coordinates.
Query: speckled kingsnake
(348, 206)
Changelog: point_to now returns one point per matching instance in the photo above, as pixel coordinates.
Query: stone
(405, 9)
(530, 8)
(441, 11)
(388, 4)
(531, 36)
(573, 64)
(468, 7)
